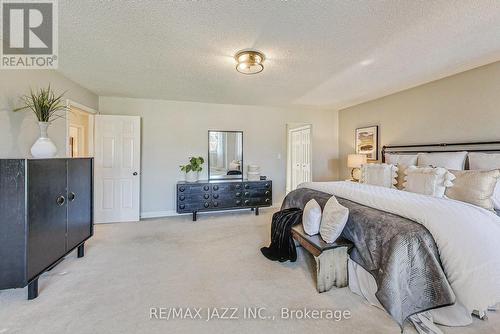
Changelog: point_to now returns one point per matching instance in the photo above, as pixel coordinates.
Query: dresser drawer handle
(182, 206)
(216, 188)
(206, 188)
(267, 185)
(247, 194)
(182, 197)
(71, 196)
(206, 196)
(60, 200)
(216, 204)
(238, 194)
(247, 201)
(267, 192)
(268, 200)
(215, 196)
(181, 189)
(238, 186)
(206, 205)
(247, 186)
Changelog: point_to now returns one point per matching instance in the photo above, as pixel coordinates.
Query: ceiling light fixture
(366, 62)
(249, 61)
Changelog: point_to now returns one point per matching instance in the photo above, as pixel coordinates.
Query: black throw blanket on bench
(282, 246)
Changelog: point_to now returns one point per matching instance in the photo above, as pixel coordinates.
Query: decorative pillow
(428, 180)
(382, 175)
(402, 161)
(333, 220)
(474, 187)
(448, 160)
(311, 217)
(487, 161)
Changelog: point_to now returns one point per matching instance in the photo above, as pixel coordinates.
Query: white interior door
(117, 180)
(300, 141)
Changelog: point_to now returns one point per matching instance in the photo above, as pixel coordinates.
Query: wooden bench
(331, 259)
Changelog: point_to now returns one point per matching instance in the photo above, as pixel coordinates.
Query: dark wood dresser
(194, 197)
(45, 213)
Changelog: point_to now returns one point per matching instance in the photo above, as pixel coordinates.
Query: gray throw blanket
(400, 254)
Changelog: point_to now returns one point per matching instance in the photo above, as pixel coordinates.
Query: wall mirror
(225, 155)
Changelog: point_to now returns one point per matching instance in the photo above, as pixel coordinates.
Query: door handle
(60, 200)
(71, 196)
(135, 174)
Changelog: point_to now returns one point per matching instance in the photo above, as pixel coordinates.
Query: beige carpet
(173, 262)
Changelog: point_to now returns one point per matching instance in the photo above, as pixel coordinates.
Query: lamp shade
(356, 160)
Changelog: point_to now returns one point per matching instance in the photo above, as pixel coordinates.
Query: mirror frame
(235, 177)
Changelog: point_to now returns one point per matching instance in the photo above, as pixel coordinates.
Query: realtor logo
(29, 34)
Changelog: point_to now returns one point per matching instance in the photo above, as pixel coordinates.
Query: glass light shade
(249, 62)
(249, 68)
(356, 160)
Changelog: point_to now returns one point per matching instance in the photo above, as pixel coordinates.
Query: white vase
(43, 147)
(192, 176)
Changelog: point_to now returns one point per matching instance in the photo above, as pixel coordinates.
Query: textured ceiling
(330, 54)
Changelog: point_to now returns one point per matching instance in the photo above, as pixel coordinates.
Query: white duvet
(468, 237)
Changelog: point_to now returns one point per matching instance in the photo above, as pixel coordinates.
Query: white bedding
(468, 237)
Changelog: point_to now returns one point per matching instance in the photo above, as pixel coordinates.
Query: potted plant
(193, 169)
(45, 105)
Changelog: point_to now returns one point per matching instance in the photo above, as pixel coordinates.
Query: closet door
(79, 201)
(296, 159)
(46, 213)
(305, 138)
(300, 156)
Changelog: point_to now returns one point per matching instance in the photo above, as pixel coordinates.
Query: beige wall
(18, 131)
(463, 107)
(173, 131)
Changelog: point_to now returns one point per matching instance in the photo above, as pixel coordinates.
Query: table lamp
(355, 161)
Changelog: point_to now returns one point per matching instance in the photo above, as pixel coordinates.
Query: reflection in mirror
(225, 154)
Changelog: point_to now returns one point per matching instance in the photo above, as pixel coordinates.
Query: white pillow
(428, 180)
(487, 161)
(404, 159)
(382, 175)
(448, 160)
(311, 217)
(484, 161)
(333, 220)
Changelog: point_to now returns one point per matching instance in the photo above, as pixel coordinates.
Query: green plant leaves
(194, 165)
(44, 104)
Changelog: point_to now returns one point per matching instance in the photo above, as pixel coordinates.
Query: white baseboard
(171, 213)
(158, 214)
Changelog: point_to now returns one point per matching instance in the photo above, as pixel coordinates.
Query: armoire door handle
(71, 196)
(60, 200)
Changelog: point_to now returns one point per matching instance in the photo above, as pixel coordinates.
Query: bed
(415, 254)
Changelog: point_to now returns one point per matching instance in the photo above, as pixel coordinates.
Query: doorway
(79, 130)
(299, 157)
